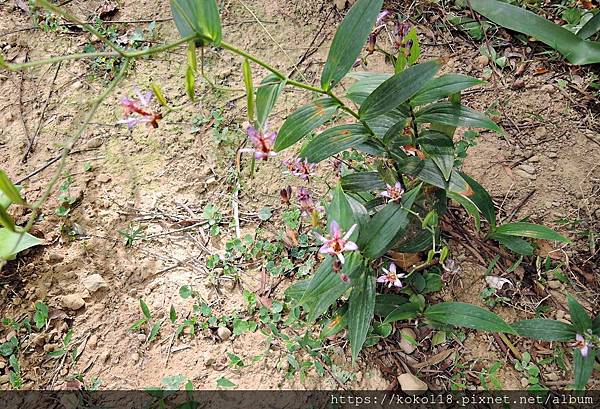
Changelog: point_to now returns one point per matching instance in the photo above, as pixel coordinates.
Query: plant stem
(286, 79)
(80, 56)
(68, 16)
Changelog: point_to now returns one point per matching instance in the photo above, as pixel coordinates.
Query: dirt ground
(545, 167)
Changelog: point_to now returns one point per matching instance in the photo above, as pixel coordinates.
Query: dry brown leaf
(405, 260)
(435, 359)
(545, 250)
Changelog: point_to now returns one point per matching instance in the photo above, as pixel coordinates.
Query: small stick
(519, 206)
(39, 126)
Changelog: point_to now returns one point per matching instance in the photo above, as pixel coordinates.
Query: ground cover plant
(400, 126)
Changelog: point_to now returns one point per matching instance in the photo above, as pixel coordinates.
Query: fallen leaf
(405, 260)
(435, 359)
(497, 282)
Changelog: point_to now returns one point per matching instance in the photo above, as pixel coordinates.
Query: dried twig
(39, 125)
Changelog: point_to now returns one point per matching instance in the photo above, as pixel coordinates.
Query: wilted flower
(413, 151)
(263, 143)
(300, 167)
(382, 16)
(337, 244)
(393, 193)
(286, 195)
(344, 277)
(582, 344)
(391, 277)
(139, 106)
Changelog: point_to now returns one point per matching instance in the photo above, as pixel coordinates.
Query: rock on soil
(72, 301)
(411, 383)
(224, 333)
(94, 282)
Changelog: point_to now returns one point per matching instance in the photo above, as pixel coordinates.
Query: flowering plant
(405, 126)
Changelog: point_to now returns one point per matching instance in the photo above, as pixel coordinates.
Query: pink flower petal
(393, 268)
(350, 246)
(321, 238)
(349, 232)
(584, 350)
(334, 229)
(382, 279)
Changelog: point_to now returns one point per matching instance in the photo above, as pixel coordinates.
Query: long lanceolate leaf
(9, 189)
(397, 90)
(349, 40)
(572, 47)
(544, 329)
(468, 316)
(200, 17)
(304, 120)
(361, 309)
(590, 28)
(11, 243)
(447, 113)
(334, 140)
(534, 231)
(583, 367)
(442, 87)
(386, 226)
(269, 90)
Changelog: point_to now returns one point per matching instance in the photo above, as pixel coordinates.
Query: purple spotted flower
(137, 111)
(390, 277)
(300, 167)
(393, 193)
(307, 205)
(337, 243)
(582, 344)
(263, 143)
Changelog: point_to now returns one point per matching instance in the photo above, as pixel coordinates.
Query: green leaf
(403, 312)
(9, 189)
(579, 317)
(544, 329)
(225, 383)
(340, 210)
(468, 205)
(334, 140)
(386, 226)
(326, 287)
(200, 17)
(172, 314)
(513, 243)
(575, 49)
(57, 354)
(349, 40)
(247, 72)
(596, 325)
(185, 291)
(482, 200)
(440, 149)
(6, 220)
(304, 120)
(361, 307)
(366, 84)
(386, 303)
(447, 113)
(397, 90)
(266, 95)
(154, 330)
(41, 314)
(362, 182)
(590, 28)
(442, 87)
(468, 316)
(583, 367)
(12, 243)
(534, 231)
(145, 309)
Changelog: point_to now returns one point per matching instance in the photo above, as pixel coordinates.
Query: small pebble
(223, 333)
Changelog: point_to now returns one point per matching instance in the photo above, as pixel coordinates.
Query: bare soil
(544, 167)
